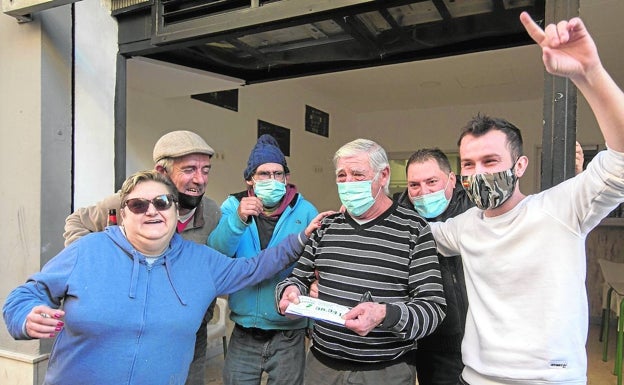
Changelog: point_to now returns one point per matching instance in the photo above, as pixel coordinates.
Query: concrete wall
(96, 49)
(233, 135)
(20, 125)
(35, 124)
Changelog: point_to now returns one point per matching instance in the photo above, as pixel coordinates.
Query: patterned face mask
(489, 191)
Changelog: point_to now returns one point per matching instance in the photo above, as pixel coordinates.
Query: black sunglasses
(140, 205)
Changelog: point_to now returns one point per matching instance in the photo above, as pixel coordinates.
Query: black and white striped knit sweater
(394, 257)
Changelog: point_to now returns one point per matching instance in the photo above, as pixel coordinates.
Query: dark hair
(482, 124)
(424, 154)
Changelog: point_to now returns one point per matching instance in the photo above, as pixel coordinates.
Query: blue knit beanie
(266, 150)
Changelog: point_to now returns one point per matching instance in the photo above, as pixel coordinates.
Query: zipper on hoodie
(140, 334)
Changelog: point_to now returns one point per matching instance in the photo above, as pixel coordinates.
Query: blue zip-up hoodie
(128, 322)
(254, 306)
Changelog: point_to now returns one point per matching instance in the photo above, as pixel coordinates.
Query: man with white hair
(377, 258)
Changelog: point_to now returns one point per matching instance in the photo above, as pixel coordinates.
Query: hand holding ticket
(318, 309)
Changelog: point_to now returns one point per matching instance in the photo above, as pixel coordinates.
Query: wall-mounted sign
(281, 134)
(316, 121)
(226, 99)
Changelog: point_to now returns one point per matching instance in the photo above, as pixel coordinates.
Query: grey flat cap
(180, 143)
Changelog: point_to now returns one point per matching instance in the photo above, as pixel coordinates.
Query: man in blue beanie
(252, 220)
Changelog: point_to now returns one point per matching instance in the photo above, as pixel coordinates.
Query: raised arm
(568, 50)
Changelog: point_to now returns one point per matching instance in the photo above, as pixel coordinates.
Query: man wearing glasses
(259, 217)
(184, 157)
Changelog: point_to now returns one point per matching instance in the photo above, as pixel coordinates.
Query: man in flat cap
(184, 157)
(268, 210)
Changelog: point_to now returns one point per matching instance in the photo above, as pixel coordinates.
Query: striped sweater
(394, 258)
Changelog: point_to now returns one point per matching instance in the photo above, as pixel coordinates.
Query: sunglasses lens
(162, 202)
(137, 205)
(141, 205)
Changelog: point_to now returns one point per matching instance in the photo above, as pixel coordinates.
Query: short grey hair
(377, 157)
(166, 163)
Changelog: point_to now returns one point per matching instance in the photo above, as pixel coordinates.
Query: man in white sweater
(524, 256)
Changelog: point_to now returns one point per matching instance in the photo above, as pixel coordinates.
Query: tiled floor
(599, 373)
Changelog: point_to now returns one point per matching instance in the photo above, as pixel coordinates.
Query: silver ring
(44, 315)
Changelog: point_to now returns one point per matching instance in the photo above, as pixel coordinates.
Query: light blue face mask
(356, 196)
(269, 191)
(433, 204)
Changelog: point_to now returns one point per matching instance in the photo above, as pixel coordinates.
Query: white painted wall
(233, 135)
(35, 123)
(406, 131)
(95, 58)
(20, 155)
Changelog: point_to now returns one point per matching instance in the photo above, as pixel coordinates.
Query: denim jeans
(281, 356)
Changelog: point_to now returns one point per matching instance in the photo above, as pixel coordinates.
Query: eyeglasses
(264, 175)
(141, 205)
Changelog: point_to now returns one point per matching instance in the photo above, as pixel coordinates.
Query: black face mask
(189, 202)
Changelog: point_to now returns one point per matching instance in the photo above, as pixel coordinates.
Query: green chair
(613, 274)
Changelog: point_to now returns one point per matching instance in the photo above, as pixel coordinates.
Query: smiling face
(189, 173)
(149, 232)
(427, 177)
(488, 153)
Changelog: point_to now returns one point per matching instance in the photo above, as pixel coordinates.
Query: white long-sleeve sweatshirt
(525, 276)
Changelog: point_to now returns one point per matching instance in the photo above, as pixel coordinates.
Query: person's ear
(385, 174)
(452, 179)
(521, 165)
(160, 169)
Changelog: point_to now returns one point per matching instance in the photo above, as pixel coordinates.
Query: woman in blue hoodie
(129, 291)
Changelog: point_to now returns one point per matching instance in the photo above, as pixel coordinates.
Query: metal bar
(560, 102)
(120, 106)
(22, 9)
(244, 18)
(605, 331)
(620, 341)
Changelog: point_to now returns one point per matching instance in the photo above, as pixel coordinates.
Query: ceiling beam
(23, 9)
